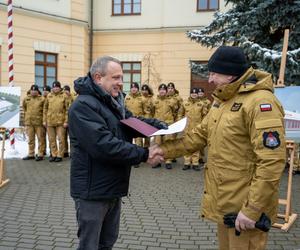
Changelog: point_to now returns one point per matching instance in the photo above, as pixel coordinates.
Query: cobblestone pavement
(36, 211)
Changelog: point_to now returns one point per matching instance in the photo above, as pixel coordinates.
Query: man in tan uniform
(194, 111)
(55, 118)
(33, 109)
(70, 100)
(46, 91)
(244, 133)
(147, 100)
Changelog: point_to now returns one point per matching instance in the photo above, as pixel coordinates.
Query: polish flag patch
(265, 107)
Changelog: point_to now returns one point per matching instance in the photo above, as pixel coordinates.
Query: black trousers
(98, 223)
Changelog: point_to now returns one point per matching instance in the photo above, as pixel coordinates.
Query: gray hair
(100, 65)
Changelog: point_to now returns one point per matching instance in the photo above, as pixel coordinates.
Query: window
(126, 7)
(207, 5)
(45, 68)
(131, 73)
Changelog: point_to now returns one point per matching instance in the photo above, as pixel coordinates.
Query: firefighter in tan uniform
(206, 107)
(164, 111)
(244, 132)
(194, 111)
(134, 103)
(147, 100)
(33, 110)
(46, 91)
(55, 118)
(70, 99)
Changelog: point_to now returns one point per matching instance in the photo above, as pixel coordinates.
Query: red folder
(140, 126)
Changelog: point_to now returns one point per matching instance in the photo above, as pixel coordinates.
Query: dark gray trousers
(98, 223)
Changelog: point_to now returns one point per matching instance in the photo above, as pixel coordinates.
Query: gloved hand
(154, 122)
(264, 222)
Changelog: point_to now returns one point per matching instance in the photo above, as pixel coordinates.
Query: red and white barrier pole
(10, 60)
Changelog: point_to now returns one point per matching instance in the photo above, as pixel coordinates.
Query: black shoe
(39, 158)
(58, 159)
(200, 161)
(186, 167)
(136, 166)
(28, 158)
(168, 166)
(157, 166)
(174, 160)
(66, 155)
(196, 167)
(52, 159)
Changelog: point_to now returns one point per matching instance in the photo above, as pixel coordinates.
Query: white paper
(173, 128)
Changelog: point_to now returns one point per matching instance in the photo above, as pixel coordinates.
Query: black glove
(154, 122)
(264, 222)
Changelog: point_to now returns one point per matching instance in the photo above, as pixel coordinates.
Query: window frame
(122, 9)
(208, 6)
(132, 71)
(46, 64)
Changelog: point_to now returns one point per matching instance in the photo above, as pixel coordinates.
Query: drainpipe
(91, 30)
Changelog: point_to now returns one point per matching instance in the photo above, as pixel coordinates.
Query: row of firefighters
(48, 113)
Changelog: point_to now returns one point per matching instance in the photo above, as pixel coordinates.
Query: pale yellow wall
(170, 52)
(31, 31)
(154, 14)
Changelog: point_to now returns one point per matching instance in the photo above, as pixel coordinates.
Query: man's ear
(97, 78)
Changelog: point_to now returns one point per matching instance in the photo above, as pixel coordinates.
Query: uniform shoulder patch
(236, 106)
(265, 107)
(271, 139)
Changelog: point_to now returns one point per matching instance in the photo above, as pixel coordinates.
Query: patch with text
(236, 106)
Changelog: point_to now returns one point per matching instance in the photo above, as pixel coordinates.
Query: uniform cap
(194, 91)
(228, 60)
(56, 84)
(171, 84)
(47, 88)
(66, 87)
(200, 90)
(163, 86)
(34, 87)
(145, 87)
(134, 85)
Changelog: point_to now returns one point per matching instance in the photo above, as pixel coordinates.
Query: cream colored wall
(56, 7)
(154, 14)
(40, 32)
(170, 53)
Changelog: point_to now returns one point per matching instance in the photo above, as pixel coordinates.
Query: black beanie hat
(228, 60)
(194, 91)
(34, 87)
(56, 84)
(163, 86)
(134, 85)
(66, 87)
(47, 88)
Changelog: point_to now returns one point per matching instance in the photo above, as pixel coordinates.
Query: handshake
(156, 155)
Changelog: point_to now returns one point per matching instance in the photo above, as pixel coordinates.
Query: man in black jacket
(101, 153)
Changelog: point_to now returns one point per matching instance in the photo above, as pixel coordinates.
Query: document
(148, 130)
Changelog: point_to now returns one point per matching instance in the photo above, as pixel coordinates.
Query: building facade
(53, 39)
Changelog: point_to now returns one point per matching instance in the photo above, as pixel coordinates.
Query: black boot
(28, 157)
(168, 166)
(39, 158)
(52, 159)
(196, 167)
(58, 159)
(186, 167)
(157, 166)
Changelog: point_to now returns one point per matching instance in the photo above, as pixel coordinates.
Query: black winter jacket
(101, 149)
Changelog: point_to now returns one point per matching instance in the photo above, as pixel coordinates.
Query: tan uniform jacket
(33, 110)
(56, 109)
(194, 111)
(147, 106)
(163, 109)
(134, 104)
(177, 103)
(244, 133)
(206, 103)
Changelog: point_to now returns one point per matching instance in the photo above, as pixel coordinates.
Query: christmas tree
(258, 27)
